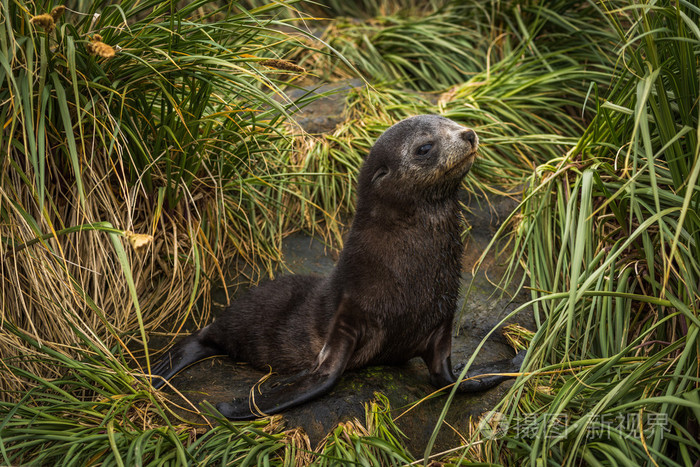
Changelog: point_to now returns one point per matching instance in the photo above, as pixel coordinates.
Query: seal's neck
(372, 212)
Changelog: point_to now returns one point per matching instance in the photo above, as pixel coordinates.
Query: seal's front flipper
(495, 372)
(295, 390)
(292, 391)
(186, 352)
(305, 385)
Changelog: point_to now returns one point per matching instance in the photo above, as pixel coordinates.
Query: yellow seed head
(99, 48)
(44, 20)
(283, 65)
(103, 50)
(57, 12)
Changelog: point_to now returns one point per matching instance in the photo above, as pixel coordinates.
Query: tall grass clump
(522, 107)
(443, 44)
(610, 238)
(520, 74)
(96, 413)
(132, 121)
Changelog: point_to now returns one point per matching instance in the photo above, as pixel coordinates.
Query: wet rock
(323, 114)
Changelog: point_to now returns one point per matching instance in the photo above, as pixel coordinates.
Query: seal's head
(422, 157)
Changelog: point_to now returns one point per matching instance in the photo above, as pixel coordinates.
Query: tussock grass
(97, 412)
(520, 76)
(609, 237)
(377, 442)
(163, 138)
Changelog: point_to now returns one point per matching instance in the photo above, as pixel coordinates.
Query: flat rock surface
(219, 379)
(323, 113)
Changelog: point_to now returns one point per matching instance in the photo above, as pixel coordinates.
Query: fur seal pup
(391, 297)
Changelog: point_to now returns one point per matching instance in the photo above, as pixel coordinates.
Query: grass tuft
(137, 118)
(609, 239)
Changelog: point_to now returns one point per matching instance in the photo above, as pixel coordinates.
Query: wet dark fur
(391, 297)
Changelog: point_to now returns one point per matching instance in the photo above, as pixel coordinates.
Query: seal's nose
(469, 136)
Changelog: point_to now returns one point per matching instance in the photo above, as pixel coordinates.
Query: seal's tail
(186, 352)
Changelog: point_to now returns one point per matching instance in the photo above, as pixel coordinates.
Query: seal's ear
(380, 172)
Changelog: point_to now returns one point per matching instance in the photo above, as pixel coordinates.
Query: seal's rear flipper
(186, 352)
(494, 371)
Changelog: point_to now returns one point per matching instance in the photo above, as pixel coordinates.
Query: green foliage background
(183, 140)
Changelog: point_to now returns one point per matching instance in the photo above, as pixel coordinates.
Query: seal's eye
(425, 149)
